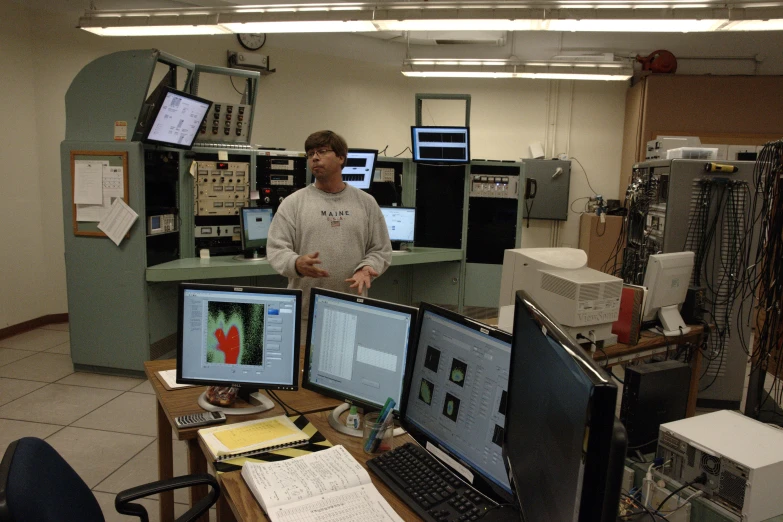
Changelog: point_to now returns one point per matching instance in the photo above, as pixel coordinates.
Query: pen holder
(377, 437)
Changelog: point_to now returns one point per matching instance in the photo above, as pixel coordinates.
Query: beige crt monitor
(584, 301)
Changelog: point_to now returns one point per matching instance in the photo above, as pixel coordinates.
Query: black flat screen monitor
(440, 144)
(456, 406)
(400, 221)
(357, 348)
(176, 119)
(563, 446)
(245, 336)
(255, 223)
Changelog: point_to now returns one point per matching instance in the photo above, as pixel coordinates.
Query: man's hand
(361, 278)
(305, 265)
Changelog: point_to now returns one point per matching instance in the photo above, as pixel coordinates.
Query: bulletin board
(113, 184)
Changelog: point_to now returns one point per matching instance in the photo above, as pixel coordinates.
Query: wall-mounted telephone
(531, 187)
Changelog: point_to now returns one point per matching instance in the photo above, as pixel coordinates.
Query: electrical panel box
(549, 182)
(221, 188)
(742, 459)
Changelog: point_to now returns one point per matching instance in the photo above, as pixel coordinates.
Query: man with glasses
(328, 234)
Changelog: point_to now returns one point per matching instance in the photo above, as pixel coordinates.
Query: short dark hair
(327, 138)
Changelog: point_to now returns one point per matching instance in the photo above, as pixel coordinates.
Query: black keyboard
(427, 487)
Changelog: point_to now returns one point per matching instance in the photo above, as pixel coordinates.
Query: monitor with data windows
(357, 350)
(239, 336)
(255, 223)
(359, 167)
(401, 222)
(563, 446)
(176, 119)
(456, 405)
(667, 279)
(449, 145)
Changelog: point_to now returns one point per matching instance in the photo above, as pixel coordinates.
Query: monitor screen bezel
(156, 111)
(183, 287)
(415, 149)
(414, 223)
(242, 225)
(597, 501)
(480, 482)
(308, 384)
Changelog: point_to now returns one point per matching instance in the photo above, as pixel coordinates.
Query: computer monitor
(255, 223)
(400, 221)
(563, 447)
(456, 404)
(239, 336)
(357, 350)
(667, 279)
(359, 167)
(440, 144)
(176, 119)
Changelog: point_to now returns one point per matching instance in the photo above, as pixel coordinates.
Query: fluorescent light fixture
(327, 26)
(512, 68)
(441, 15)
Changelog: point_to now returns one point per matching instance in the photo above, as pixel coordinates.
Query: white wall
(347, 83)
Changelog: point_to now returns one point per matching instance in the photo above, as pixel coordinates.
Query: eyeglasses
(320, 153)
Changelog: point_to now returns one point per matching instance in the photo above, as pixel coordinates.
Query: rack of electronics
(707, 208)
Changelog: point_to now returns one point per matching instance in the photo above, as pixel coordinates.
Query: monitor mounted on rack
(563, 447)
(246, 337)
(357, 350)
(175, 119)
(359, 167)
(446, 145)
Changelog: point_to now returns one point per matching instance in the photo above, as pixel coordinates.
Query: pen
(382, 421)
(388, 406)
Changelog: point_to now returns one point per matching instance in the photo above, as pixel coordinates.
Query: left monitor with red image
(241, 336)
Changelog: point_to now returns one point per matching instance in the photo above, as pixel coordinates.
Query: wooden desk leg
(197, 464)
(224, 513)
(165, 464)
(693, 392)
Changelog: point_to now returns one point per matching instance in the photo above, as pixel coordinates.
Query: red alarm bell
(660, 61)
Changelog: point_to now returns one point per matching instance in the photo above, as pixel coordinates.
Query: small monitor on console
(667, 279)
(357, 350)
(176, 119)
(359, 167)
(239, 336)
(255, 230)
(563, 447)
(401, 222)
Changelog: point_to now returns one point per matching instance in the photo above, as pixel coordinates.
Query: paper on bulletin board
(88, 182)
(113, 187)
(118, 221)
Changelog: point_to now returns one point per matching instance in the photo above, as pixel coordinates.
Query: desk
(173, 403)
(243, 504)
(651, 344)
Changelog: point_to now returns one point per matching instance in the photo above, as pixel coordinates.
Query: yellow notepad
(252, 437)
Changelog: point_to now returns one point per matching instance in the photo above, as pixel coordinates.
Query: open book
(252, 437)
(326, 486)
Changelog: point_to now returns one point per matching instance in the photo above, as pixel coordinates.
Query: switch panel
(224, 123)
(493, 186)
(221, 188)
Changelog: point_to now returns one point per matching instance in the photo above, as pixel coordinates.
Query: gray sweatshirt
(347, 228)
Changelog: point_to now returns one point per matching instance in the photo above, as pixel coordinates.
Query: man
(328, 234)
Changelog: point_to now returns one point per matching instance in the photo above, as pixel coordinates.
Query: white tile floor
(104, 426)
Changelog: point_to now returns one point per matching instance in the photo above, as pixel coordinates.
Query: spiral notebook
(252, 437)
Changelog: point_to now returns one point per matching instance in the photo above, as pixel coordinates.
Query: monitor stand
(671, 321)
(340, 427)
(253, 254)
(399, 246)
(258, 403)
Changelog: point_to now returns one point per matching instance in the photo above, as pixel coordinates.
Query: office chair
(37, 484)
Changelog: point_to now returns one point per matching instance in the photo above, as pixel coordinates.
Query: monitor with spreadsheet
(238, 336)
(456, 404)
(563, 446)
(357, 348)
(400, 221)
